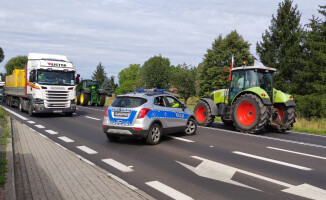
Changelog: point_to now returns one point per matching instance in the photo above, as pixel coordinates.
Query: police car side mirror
(183, 106)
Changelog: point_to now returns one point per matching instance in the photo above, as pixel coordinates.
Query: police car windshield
(128, 102)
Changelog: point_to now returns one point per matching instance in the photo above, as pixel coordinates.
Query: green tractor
(250, 104)
(89, 91)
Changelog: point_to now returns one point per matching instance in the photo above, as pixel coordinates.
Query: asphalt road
(216, 163)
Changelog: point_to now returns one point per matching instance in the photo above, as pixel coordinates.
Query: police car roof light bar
(150, 90)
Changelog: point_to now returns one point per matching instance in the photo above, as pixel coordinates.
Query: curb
(10, 189)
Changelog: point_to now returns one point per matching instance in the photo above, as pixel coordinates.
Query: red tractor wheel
(250, 115)
(286, 116)
(203, 114)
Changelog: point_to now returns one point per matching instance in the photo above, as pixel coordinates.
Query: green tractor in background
(250, 104)
(88, 91)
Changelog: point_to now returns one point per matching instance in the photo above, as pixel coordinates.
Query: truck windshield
(55, 77)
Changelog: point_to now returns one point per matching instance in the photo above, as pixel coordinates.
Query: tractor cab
(91, 84)
(244, 78)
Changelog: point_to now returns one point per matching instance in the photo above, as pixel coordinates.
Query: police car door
(176, 116)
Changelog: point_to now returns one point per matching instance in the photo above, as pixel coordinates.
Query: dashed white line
(179, 138)
(299, 153)
(117, 165)
(31, 122)
(39, 126)
(272, 161)
(87, 150)
(65, 139)
(269, 138)
(51, 132)
(92, 118)
(174, 194)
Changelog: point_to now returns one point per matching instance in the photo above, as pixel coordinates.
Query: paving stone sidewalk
(44, 170)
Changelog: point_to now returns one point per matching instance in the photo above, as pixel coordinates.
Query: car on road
(147, 114)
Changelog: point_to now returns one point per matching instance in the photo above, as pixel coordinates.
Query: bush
(309, 106)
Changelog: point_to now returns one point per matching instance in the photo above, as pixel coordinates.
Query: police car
(147, 114)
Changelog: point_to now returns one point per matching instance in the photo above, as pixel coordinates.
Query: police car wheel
(191, 127)
(154, 135)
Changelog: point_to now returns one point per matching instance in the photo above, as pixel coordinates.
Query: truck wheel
(250, 115)
(286, 115)
(191, 127)
(84, 98)
(154, 134)
(77, 99)
(102, 101)
(30, 109)
(20, 106)
(203, 114)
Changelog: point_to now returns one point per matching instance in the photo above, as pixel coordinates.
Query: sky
(122, 32)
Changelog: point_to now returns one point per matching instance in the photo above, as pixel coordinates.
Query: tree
(99, 74)
(2, 56)
(184, 78)
(18, 62)
(282, 47)
(128, 78)
(313, 75)
(2, 77)
(156, 72)
(214, 70)
(107, 86)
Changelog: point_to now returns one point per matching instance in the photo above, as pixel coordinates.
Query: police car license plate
(121, 114)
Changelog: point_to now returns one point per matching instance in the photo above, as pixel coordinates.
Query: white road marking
(85, 160)
(211, 146)
(174, 194)
(224, 173)
(272, 161)
(87, 150)
(64, 138)
(31, 122)
(269, 138)
(39, 126)
(61, 146)
(42, 135)
(51, 132)
(92, 118)
(14, 113)
(179, 138)
(294, 152)
(122, 182)
(117, 165)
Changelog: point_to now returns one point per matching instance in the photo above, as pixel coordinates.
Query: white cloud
(121, 32)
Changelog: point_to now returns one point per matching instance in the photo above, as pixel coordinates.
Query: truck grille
(57, 99)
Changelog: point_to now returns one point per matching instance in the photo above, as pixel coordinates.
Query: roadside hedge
(309, 106)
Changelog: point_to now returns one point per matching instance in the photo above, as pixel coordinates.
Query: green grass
(4, 129)
(317, 126)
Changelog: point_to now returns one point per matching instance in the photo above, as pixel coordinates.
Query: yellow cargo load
(17, 79)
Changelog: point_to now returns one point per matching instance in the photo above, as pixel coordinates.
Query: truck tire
(102, 101)
(30, 109)
(249, 114)
(77, 99)
(287, 116)
(203, 114)
(20, 106)
(84, 98)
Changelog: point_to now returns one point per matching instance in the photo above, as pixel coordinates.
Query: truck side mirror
(32, 77)
(77, 79)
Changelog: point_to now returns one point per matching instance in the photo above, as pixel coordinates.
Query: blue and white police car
(147, 114)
